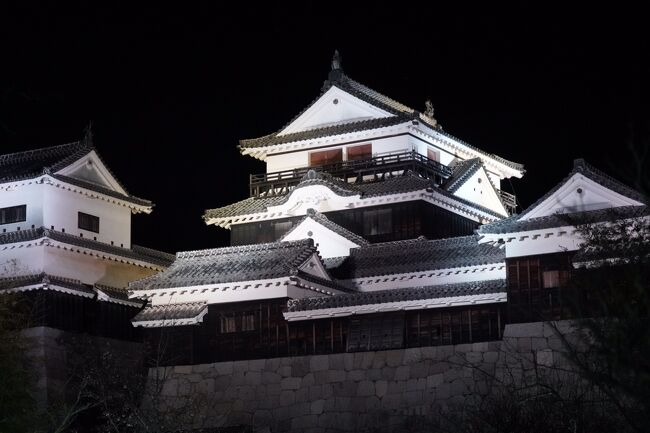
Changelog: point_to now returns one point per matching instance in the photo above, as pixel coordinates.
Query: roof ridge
(243, 248)
(26, 154)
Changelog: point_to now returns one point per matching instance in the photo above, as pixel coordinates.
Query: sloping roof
(462, 171)
(45, 280)
(231, 264)
(515, 224)
(418, 255)
(398, 295)
(32, 163)
(402, 184)
(147, 255)
(185, 313)
(401, 113)
(329, 224)
(48, 160)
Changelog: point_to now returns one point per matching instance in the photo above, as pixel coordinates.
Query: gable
(329, 243)
(579, 193)
(314, 266)
(333, 107)
(90, 168)
(479, 189)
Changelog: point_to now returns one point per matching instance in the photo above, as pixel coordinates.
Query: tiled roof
(513, 225)
(48, 160)
(327, 223)
(32, 163)
(398, 295)
(102, 190)
(45, 279)
(418, 255)
(231, 264)
(137, 253)
(326, 131)
(396, 185)
(401, 112)
(462, 171)
(170, 312)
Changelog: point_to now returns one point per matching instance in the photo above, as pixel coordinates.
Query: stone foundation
(365, 391)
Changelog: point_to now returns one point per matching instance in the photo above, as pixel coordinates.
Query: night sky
(171, 90)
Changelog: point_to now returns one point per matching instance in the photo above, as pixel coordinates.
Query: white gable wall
(580, 193)
(335, 106)
(329, 243)
(477, 189)
(91, 169)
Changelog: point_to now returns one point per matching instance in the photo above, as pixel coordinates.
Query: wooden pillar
(332, 335)
(499, 322)
(313, 336)
(469, 324)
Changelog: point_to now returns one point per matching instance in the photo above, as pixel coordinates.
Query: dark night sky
(170, 90)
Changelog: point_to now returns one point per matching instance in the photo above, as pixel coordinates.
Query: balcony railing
(509, 201)
(356, 171)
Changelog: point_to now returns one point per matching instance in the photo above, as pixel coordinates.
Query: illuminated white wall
(61, 208)
(30, 195)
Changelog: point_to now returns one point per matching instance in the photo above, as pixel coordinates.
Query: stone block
(239, 366)
(202, 368)
(356, 375)
(378, 360)
(394, 358)
(327, 390)
(451, 374)
(270, 377)
(490, 357)
(302, 394)
(480, 347)
(224, 368)
(194, 378)
(336, 376)
(183, 369)
(170, 388)
(253, 378)
(381, 387)
(463, 348)
(272, 364)
(348, 361)
(438, 367)
(319, 363)
(545, 358)
(222, 382)
(315, 392)
(396, 387)
(474, 358)
(300, 367)
(336, 361)
(273, 389)
(391, 401)
(524, 345)
(403, 372)
(287, 398)
(238, 378)
(374, 374)
(246, 393)
(341, 404)
(303, 422)
(290, 383)
(535, 329)
(344, 389)
(284, 370)
(412, 398)
(416, 384)
(443, 391)
(262, 418)
(538, 343)
(317, 407)
(367, 359)
(434, 380)
(256, 364)
(419, 370)
(206, 386)
(366, 388)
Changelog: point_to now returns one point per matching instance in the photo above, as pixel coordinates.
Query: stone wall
(50, 352)
(366, 391)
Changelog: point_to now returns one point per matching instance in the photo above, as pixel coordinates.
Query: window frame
(81, 220)
(21, 212)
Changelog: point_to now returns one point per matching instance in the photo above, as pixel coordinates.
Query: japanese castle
(372, 228)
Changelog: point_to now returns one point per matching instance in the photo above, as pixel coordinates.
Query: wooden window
(359, 152)
(377, 221)
(88, 222)
(325, 157)
(433, 155)
(248, 322)
(228, 324)
(13, 214)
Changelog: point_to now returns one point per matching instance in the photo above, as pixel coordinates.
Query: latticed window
(325, 157)
(248, 322)
(88, 222)
(228, 324)
(13, 214)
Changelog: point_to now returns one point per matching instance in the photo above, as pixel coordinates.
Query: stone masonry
(364, 391)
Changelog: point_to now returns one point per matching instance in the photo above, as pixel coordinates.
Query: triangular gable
(335, 106)
(90, 168)
(330, 242)
(578, 193)
(315, 266)
(477, 188)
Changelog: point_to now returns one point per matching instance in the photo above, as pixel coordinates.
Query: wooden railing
(357, 171)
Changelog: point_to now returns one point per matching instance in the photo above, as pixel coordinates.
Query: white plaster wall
(329, 243)
(30, 195)
(61, 209)
(430, 278)
(24, 260)
(89, 269)
(481, 192)
(545, 243)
